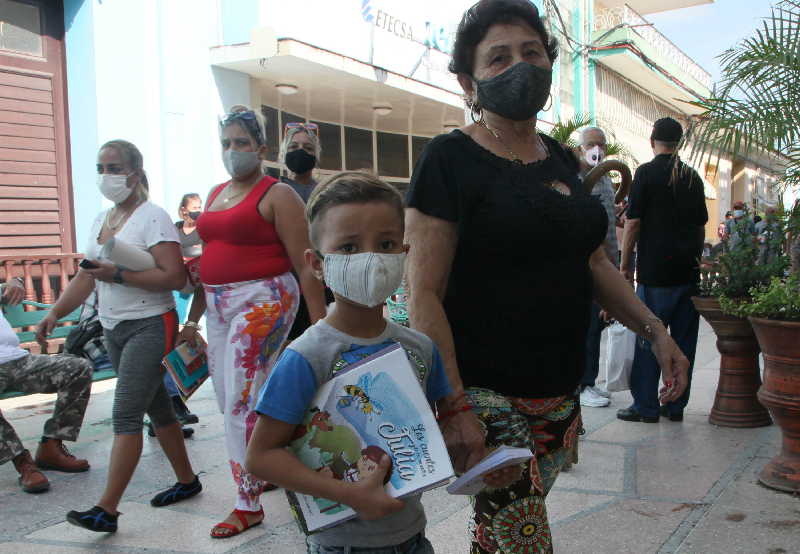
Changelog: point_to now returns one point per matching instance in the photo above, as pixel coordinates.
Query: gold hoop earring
(475, 108)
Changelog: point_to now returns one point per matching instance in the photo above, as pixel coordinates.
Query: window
(418, 144)
(20, 28)
(392, 155)
(330, 138)
(287, 117)
(358, 149)
(273, 132)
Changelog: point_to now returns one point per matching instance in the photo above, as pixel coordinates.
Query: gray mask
(519, 93)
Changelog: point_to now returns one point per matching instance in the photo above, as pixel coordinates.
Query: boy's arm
(270, 460)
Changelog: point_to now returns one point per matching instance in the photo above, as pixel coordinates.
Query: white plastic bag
(620, 346)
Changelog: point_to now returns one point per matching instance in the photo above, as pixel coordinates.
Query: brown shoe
(30, 478)
(52, 454)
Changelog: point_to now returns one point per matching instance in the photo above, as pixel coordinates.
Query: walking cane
(608, 166)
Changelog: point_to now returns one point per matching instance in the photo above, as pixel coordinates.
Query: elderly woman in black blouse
(506, 257)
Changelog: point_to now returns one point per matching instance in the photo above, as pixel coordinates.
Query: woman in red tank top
(254, 233)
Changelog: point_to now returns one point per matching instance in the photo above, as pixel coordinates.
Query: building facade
(371, 73)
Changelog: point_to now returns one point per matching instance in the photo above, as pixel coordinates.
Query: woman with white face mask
(254, 233)
(137, 311)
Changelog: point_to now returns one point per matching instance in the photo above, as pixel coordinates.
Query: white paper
(471, 482)
(126, 256)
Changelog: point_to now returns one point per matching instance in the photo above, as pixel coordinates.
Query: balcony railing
(58, 268)
(607, 19)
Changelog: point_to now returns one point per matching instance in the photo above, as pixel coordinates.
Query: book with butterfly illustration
(374, 406)
(188, 366)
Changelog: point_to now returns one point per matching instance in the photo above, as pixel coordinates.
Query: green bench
(19, 318)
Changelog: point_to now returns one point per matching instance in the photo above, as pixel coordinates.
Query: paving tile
(745, 493)
(34, 548)
(633, 526)
(451, 535)
(565, 506)
(601, 468)
(144, 527)
(689, 462)
(625, 432)
(727, 530)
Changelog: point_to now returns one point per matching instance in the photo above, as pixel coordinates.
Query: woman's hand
(103, 272)
(44, 329)
(369, 498)
(503, 477)
(674, 367)
(465, 440)
(188, 334)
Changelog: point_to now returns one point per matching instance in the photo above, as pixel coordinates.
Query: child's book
(374, 406)
(188, 366)
(471, 482)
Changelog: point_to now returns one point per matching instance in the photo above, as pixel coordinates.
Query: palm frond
(564, 132)
(754, 106)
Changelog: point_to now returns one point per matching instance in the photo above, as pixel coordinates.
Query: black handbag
(87, 330)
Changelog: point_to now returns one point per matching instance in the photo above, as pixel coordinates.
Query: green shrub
(736, 271)
(780, 299)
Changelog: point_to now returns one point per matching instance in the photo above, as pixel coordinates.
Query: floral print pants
(247, 325)
(514, 520)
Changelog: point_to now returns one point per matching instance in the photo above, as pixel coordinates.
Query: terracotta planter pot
(780, 341)
(736, 403)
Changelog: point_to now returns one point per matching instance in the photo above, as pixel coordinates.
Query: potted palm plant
(732, 275)
(774, 311)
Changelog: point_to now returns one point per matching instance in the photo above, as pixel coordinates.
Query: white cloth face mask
(240, 164)
(114, 187)
(593, 156)
(368, 278)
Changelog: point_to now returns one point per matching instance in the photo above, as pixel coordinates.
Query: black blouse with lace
(520, 289)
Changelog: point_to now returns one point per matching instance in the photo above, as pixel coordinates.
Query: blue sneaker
(176, 493)
(96, 519)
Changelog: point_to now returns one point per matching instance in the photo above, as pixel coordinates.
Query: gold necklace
(237, 195)
(114, 226)
(516, 159)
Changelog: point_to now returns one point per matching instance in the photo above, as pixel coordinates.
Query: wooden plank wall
(29, 200)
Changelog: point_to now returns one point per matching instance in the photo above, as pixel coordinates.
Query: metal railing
(609, 18)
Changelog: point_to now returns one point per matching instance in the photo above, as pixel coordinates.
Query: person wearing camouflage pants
(71, 378)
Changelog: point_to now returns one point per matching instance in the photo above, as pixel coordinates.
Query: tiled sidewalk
(670, 487)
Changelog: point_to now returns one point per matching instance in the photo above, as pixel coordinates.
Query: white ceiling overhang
(336, 88)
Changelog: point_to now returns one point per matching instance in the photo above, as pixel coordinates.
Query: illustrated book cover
(188, 366)
(375, 405)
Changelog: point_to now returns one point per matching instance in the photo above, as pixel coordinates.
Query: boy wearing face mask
(356, 227)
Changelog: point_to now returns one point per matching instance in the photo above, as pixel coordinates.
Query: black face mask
(519, 93)
(194, 215)
(299, 161)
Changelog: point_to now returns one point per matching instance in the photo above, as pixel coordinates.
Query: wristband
(193, 325)
(117, 278)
